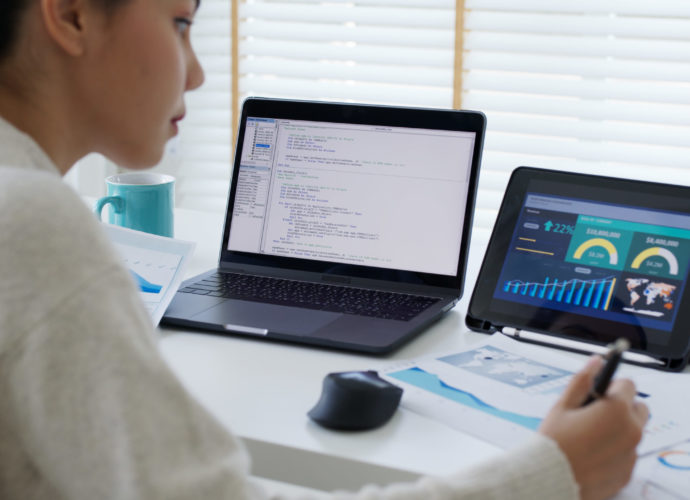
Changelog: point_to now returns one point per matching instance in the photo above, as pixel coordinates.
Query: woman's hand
(599, 439)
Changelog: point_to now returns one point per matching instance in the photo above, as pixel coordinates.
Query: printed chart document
(663, 475)
(157, 265)
(500, 390)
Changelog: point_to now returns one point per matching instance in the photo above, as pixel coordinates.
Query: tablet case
(520, 331)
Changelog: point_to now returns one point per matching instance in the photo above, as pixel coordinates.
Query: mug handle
(117, 203)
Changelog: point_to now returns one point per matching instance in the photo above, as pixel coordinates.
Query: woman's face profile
(137, 69)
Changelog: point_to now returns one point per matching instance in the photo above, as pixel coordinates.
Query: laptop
(347, 225)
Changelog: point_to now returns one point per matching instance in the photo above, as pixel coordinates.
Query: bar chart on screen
(594, 293)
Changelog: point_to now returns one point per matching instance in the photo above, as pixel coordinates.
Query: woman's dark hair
(10, 19)
(10, 13)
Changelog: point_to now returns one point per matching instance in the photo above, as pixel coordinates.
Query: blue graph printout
(500, 391)
(155, 263)
(145, 285)
(505, 367)
(432, 383)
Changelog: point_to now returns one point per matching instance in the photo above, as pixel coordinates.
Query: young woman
(89, 409)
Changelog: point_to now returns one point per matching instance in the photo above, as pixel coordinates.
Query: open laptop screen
(370, 195)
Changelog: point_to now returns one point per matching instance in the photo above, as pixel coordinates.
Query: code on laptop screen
(388, 197)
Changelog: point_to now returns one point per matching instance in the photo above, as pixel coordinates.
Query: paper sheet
(157, 265)
(501, 389)
(663, 475)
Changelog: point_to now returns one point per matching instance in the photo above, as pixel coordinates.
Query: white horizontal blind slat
(657, 8)
(577, 24)
(347, 91)
(343, 35)
(351, 13)
(448, 4)
(535, 104)
(583, 67)
(550, 85)
(591, 86)
(591, 130)
(575, 45)
(326, 70)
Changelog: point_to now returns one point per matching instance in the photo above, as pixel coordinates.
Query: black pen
(603, 378)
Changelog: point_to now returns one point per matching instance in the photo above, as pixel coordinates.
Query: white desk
(263, 390)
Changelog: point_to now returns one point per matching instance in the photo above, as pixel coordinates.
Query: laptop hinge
(343, 280)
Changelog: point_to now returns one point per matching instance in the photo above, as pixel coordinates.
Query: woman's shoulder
(24, 187)
(43, 218)
(53, 247)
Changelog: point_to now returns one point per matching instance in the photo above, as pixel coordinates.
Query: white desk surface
(263, 390)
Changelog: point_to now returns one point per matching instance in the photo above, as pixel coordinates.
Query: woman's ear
(65, 22)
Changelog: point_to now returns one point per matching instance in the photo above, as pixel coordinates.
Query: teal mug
(143, 201)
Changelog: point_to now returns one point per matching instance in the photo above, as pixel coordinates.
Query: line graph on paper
(153, 271)
(499, 390)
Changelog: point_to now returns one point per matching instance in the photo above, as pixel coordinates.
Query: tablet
(589, 258)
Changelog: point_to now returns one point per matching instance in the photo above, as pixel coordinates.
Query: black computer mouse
(355, 401)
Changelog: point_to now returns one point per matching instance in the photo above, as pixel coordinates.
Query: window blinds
(598, 86)
(594, 86)
(374, 51)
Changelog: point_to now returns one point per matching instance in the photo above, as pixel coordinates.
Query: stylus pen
(603, 379)
(573, 344)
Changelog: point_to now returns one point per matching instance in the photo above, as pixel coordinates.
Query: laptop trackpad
(274, 318)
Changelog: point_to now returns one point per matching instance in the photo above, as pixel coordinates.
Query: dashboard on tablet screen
(589, 258)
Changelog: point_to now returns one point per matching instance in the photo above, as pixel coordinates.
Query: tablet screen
(604, 260)
(590, 257)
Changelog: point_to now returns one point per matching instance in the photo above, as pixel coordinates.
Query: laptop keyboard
(321, 296)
